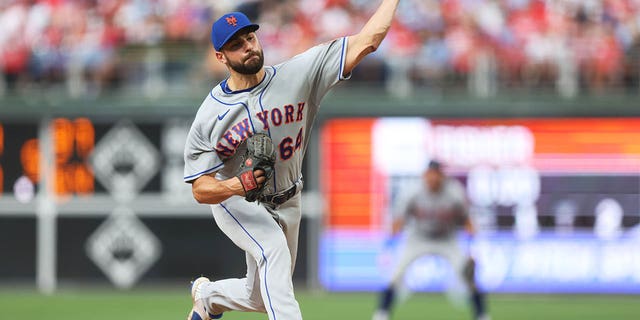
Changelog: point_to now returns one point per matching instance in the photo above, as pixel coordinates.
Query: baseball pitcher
(431, 215)
(243, 156)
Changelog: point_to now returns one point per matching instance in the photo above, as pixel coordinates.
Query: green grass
(172, 304)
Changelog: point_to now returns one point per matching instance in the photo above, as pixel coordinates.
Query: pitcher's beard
(249, 66)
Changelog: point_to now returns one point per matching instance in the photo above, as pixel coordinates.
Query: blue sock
(386, 299)
(479, 307)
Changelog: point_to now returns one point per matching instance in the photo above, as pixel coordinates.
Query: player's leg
(477, 297)
(234, 294)
(288, 216)
(252, 228)
(412, 250)
(464, 267)
(245, 294)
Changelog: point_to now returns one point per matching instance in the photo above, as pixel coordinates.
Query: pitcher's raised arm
(369, 38)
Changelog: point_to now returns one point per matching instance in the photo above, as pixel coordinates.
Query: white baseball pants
(271, 248)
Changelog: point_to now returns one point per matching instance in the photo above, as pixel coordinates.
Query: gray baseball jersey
(283, 105)
(434, 215)
(431, 222)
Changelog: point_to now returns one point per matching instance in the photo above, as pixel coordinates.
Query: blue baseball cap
(434, 165)
(227, 26)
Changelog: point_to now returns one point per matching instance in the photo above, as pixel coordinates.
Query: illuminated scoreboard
(18, 155)
(73, 142)
(146, 153)
(557, 201)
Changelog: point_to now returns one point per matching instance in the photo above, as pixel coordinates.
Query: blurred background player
(431, 215)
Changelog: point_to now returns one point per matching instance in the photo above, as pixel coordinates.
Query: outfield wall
(537, 186)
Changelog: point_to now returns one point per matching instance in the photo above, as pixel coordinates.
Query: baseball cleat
(381, 315)
(199, 312)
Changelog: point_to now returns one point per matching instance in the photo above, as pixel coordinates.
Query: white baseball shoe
(381, 315)
(198, 312)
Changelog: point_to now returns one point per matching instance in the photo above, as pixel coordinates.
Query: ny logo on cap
(232, 21)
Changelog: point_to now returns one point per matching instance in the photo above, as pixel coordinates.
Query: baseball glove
(260, 155)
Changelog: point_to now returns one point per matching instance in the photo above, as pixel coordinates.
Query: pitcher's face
(243, 53)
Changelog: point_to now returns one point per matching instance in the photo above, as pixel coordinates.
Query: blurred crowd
(80, 42)
(487, 45)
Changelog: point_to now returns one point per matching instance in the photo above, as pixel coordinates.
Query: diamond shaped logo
(123, 248)
(124, 161)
